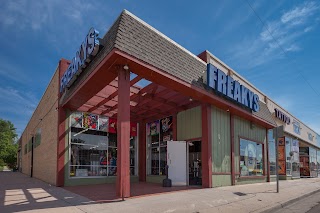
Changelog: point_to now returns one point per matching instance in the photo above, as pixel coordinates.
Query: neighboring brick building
(43, 127)
(132, 101)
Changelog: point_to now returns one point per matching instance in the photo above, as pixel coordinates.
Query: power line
(279, 45)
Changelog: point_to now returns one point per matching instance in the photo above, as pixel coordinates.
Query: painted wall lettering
(88, 48)
(227, 86)
(283, 117)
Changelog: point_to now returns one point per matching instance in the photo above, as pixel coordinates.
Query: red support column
(123, 134)
(206, 151)
(233, 181)
(61, 147)
(175, 127)
(142, 152)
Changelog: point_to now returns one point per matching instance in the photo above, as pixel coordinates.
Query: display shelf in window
(251, 158)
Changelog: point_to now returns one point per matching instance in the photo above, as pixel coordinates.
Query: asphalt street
(310, 204)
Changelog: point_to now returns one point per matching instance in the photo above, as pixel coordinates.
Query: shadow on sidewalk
(19, 192)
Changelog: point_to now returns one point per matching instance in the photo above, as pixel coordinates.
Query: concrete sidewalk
(20, 193)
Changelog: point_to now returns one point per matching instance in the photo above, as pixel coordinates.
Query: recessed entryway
(195, 164)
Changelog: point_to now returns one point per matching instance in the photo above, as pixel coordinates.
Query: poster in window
(103, 123)
(76, 119)
(295, 146)
(166, 128)
(282, 168)
(153, 128)
(251, 154)
(90, 121)
(133, 129)
(112, 125)
(103, 158)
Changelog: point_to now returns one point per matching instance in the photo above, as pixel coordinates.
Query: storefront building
(299, 149)
(134, 101)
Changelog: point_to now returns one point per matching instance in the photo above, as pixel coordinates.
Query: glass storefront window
(313, 162)
(318, 162)
(296, 127)
(288, 156)
(94, 153)
(251, 158)
(272, 152)
(158, 133)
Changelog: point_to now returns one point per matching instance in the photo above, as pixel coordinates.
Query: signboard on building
(281, 156)
(88, 49)
(226, 85)
(282, 116)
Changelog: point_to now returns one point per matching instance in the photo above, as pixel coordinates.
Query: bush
(2, 163)
(1, 168)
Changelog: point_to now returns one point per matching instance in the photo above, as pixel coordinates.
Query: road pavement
(309, 204)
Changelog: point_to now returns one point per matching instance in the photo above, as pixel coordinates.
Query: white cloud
(17, 106)
(299, 14)
(293, 48)
(12, 72)
(61, 24)
(36, 15)
(307, 29)
(16, 101)
(277, 36)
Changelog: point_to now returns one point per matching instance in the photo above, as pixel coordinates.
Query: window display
(313, 162)
(295, 158)
(304, 161)
(251, 158)
(158, 133)
(288, 156)
(272, 152)
(318, 162)
(93, 150)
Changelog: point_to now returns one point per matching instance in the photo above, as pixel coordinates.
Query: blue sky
(36, 34)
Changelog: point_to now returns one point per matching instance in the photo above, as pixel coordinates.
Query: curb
(289, 202)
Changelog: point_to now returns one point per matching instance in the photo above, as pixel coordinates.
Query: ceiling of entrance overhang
(148, 100)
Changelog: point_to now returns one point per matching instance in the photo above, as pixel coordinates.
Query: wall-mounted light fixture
(126, 67)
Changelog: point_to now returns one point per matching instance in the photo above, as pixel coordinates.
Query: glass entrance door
(195, 167)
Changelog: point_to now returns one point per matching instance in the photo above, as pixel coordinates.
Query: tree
(8, 145)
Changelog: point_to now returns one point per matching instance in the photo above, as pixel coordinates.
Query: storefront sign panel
(282, 116)
(226, 85)
(87, 50)
(281, 156)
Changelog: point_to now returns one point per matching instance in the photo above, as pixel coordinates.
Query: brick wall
(45, 117)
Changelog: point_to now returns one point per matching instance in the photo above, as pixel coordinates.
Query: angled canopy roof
(154, 57)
